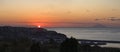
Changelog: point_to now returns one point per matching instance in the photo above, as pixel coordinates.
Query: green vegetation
(69, 45)
(18, 45)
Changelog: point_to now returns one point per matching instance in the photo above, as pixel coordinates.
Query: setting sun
(39, 26)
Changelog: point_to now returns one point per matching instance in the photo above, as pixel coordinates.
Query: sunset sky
(60, 13)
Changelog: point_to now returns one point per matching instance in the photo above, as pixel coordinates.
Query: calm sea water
(91, 33)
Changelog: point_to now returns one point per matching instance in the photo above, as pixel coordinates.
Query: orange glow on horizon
(39, 26)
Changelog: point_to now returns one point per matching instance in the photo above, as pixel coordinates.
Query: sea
(111, 34)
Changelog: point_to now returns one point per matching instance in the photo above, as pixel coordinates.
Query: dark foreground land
(21, 39)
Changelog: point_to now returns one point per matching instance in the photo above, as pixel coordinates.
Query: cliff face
(37, 34)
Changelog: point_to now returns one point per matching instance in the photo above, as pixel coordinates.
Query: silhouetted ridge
(37, 34)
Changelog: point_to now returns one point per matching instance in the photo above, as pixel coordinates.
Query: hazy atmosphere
(60, 13)
(59, 25)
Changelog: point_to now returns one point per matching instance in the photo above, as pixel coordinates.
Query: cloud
(58, 22)
(109, 18)
(114, 19)
(100, 19)
(88, 10)
(114, 9)
(69, 12)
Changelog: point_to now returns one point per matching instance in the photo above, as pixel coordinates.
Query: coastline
(17, 36)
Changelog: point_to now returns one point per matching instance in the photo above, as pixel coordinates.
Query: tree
(69, 45)
(35, 47)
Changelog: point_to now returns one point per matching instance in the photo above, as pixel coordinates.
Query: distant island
(99, 26)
